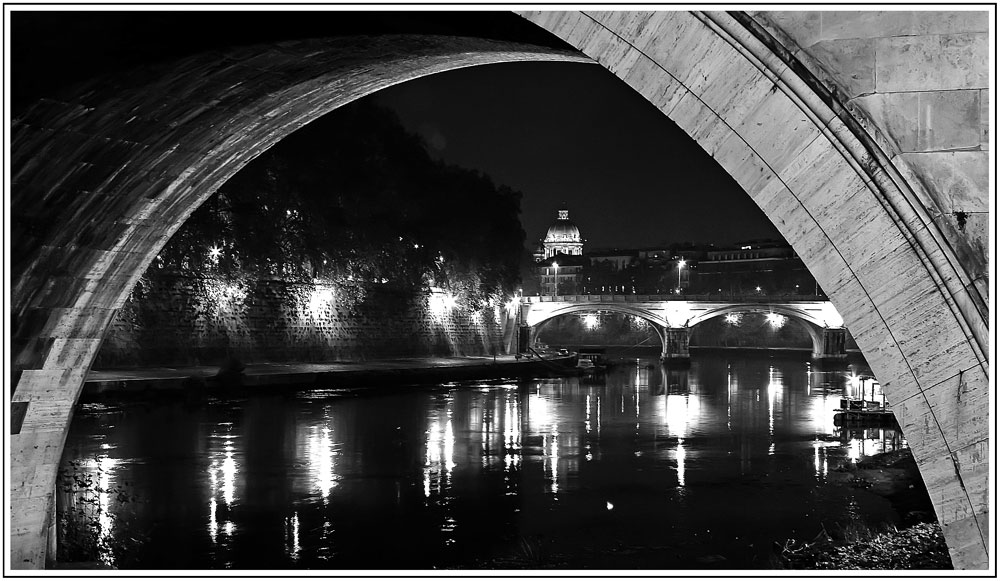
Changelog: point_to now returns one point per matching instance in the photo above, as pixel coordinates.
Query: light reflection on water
(464, 472)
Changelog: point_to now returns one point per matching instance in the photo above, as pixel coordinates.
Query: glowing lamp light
(757, 289)
(776, 321)
(733, 318)
(591, 322)
(214, 253)
(440, 302)
(319, 300)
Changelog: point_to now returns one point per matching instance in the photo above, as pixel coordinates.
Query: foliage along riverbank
(920, 545)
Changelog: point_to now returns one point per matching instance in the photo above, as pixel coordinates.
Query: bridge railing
(623, 298)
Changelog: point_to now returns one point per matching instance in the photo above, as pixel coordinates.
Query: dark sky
(575, 133)
(555, 131)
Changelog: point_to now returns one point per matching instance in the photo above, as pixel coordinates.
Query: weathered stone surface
(984, 119)
(852, 58)
(958, 177)
(927, 52)
(973, 230)
(882, 24)
(928, 121)
(931, 63)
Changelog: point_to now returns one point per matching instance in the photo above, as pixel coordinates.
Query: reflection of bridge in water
(673, 316)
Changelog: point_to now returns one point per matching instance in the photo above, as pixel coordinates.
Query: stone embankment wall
(204, 321)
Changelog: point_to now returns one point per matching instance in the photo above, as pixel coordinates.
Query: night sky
(574, 133)
(558, 132)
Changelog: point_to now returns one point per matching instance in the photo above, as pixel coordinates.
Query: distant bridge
(672, 316)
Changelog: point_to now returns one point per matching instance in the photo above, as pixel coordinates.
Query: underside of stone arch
(849, 214)
(657, 323)
(102, 178)
(810, 324)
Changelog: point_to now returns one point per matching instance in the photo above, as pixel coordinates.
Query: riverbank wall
(189, 320)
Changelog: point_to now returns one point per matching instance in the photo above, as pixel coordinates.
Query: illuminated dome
(563, 237)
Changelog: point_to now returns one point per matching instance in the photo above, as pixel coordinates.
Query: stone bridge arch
(657, 322)
(102, 178)
(812, 325)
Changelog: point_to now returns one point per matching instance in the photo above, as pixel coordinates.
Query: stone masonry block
(29, 522)
(745, 166)
(36, 448)
(927, 121)
(966, 543)
(883, 24)
(48, 384)
(700, 123)
(984, 119)
(849, 64)
(733, 88)
(714, 57)
(961, 408)
(919, 426)
(662, 91)
(974, 466)
(666, 36)
(959, 178)
(931, 63)
(934, 352)
(803, 27)
(625, 23)
(33, 481)
(964, 522)
(778, 130)
(805, 236)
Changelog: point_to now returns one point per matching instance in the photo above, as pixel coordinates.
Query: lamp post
(680, 265)
(555, 280)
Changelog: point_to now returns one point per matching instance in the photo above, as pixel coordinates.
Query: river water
(650, 468)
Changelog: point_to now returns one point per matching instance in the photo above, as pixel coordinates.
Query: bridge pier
(834, 345)
(523, 338)
(675, 344)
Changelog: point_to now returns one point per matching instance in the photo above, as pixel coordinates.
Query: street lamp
(555, 280)
(680, 265)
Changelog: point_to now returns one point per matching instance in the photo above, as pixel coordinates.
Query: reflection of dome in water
(563, 237)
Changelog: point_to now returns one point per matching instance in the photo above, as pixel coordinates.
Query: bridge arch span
(537, 318)
(790, 311)
(102, 178)
(812, 324)
(537, 321)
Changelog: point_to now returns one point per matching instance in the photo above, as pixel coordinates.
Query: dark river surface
(705, 467)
